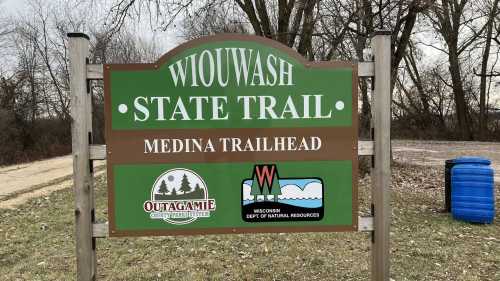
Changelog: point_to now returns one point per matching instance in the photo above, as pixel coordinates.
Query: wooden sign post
(230, 134)
(381, 173)
(81, 134)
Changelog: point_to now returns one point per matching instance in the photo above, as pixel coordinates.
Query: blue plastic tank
(472, 190)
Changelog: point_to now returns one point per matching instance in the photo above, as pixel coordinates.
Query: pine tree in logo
(163, 188)
(265, 190)
(255, 190)
(265, 182)
(185, 185)
(198, 192)
(275, 188)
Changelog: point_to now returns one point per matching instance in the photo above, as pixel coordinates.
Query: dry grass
(36, 243)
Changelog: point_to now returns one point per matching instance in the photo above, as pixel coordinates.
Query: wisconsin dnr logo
(179, 196)
(268, 197)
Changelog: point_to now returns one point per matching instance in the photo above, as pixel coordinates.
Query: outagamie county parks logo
(179, 196)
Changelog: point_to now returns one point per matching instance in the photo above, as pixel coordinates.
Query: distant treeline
(35, 119)
(444, 58)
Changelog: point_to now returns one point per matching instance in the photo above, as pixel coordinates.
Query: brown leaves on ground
(37, 243)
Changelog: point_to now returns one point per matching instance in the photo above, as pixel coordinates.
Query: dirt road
(26, 176)
(39, 175)
(19, 182)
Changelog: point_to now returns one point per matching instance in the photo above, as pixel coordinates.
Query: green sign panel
(231, 134)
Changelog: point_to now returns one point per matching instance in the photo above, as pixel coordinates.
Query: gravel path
(434, 153)
(28, 176)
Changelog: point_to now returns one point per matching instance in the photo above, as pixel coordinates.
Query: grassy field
(36, 243)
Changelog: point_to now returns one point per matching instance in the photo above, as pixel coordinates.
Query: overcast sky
(166, 40)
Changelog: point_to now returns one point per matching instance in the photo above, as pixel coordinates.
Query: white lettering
(218, 108)
(150, 147)
(180, 109)
(272, 70)
(284, 73)
(246, 105)
(143, 109)
(222, 83)
(160, 116)
(267, 107)
(181, 71)
(211, 68)
(241, 64)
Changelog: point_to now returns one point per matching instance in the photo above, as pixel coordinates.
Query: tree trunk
(366, 22)
(483, 111)
(365, 111)
(307, 29)
(461, 107)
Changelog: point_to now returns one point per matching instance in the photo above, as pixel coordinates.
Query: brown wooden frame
(84, 152)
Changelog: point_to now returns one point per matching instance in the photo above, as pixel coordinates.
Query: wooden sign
(231, 134)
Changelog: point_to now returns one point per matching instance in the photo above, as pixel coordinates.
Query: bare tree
(454, 21)
(34, 90)
(227, 18)
(115, 47)
(294, 24)
(491, 15)
(36, 31)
